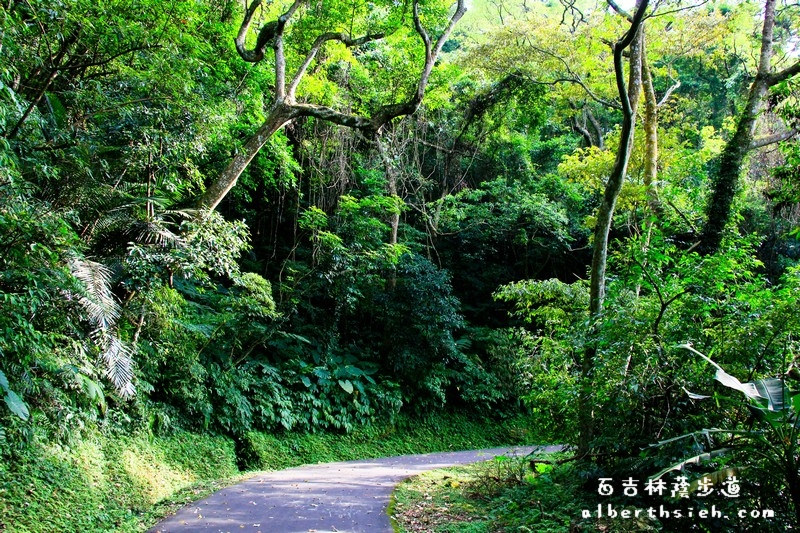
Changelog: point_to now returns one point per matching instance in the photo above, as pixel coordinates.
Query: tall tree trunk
(391, 186)
(605, 213)
(725, 183)
(650, 126)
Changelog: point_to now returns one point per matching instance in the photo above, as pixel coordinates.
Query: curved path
(349, 496)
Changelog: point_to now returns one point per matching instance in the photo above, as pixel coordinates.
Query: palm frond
(103, 312)
(118, 359)
(155, 233)
(114, 219)
(187, 213)
(97, 299)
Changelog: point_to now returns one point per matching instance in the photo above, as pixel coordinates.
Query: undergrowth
(109, 482)
(270, 451)
(499, 495)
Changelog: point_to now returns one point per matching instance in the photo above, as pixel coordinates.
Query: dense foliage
(438, 263)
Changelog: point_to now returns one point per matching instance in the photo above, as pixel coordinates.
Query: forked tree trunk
(605, 213)
(285, 107)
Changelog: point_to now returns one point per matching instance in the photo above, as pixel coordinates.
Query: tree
(726, 180)
(605, 213)
(285, 105)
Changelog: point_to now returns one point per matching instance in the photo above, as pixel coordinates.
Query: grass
(505, 495)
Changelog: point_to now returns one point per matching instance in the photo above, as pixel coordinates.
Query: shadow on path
(349, 496)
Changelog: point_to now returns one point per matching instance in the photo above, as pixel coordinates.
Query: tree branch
(578, 81)
(331, 115)
(266, 35)
(677, 10)
(257, 53)
(421, 30)
(571, 77)
(285, 109)
(619, 10)
(388, 112)
(109, 59)
(772, 139)
(597, 128)
(669, 92)
(784, 74)
(581, 128)
(280, 59)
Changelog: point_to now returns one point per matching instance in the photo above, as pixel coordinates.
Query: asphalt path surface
(349, 496)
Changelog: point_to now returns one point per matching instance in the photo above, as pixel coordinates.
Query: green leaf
(3, 381)
(796, 402)
(322, 373)
(306, 381)
(347, 385)
(16, 405)
(94, 391)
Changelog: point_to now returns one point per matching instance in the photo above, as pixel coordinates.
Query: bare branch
(577, 14)
(280, 60)
(669, 92)
(677, 10)
(571, 77)
(257, 53)
(597, 128)
(581, 128)
(331, 115)
(421, 30)
(578, 81)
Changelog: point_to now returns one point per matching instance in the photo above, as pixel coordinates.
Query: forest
(227, 223)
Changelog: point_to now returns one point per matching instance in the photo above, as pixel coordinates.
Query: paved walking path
(350, 496)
